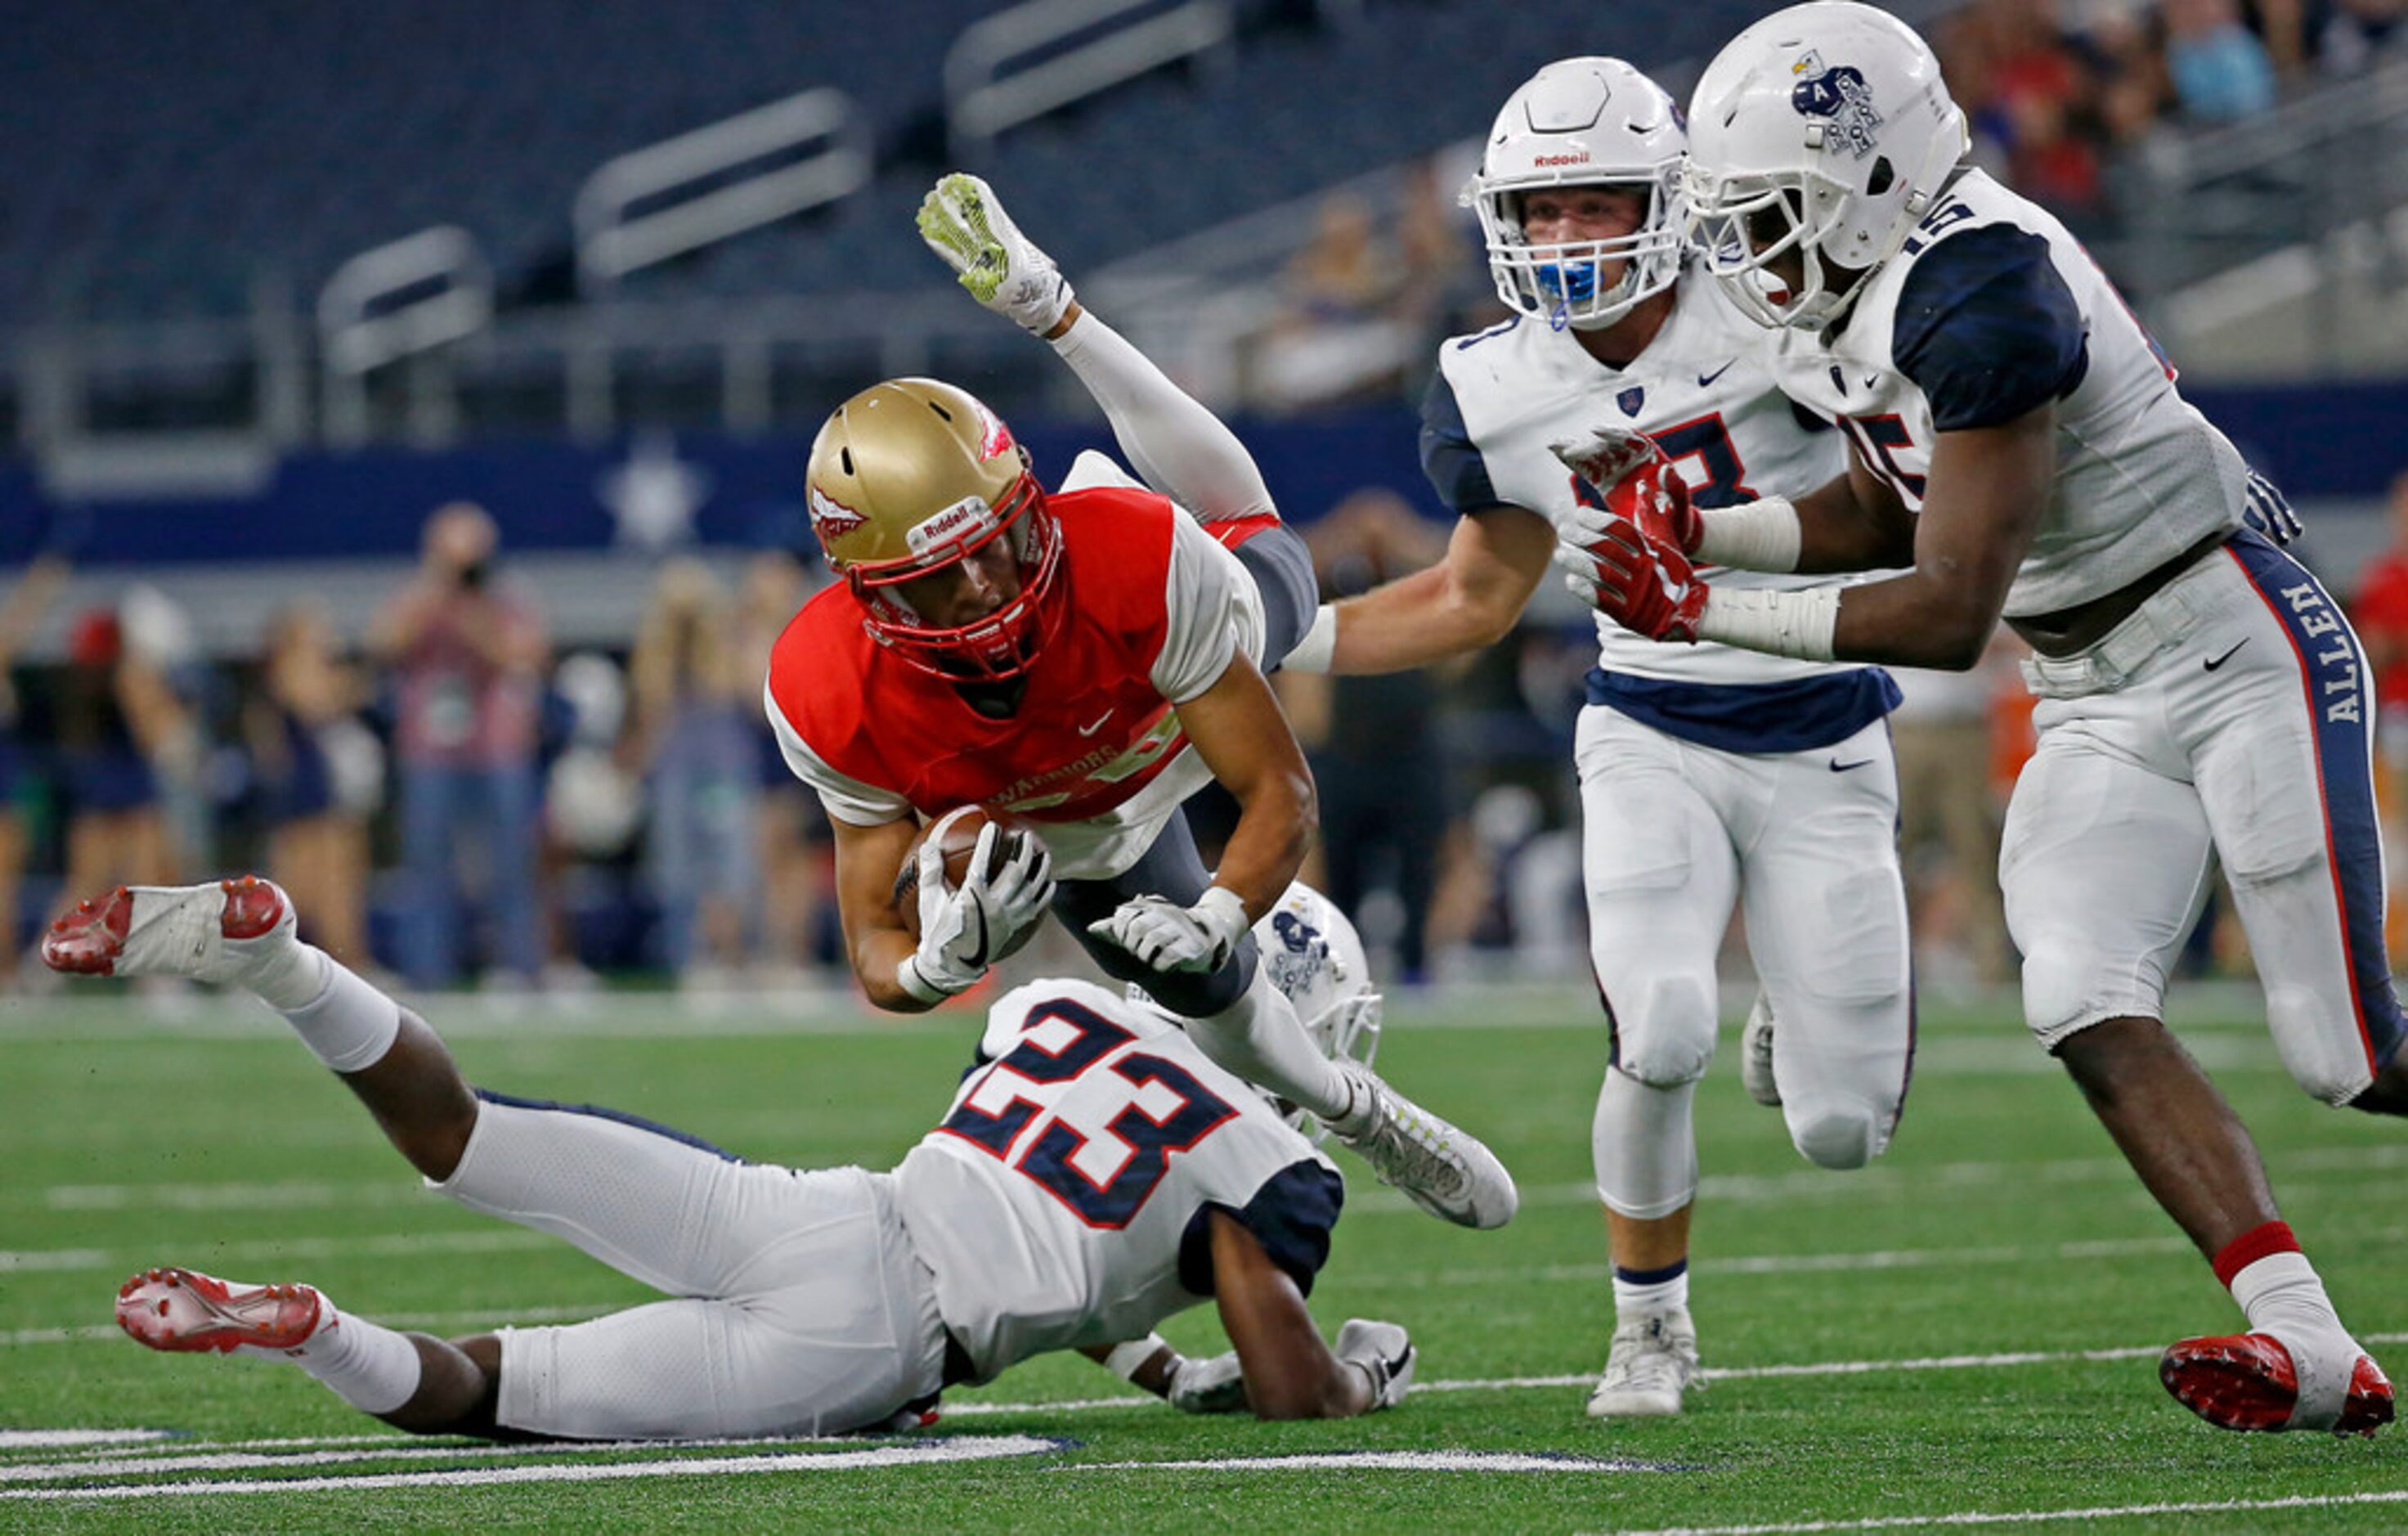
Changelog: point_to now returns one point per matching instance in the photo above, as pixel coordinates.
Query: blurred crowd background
(407, 411)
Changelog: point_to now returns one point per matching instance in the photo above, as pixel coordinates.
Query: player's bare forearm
(1853, 523)
(1237, 729)
(1467, 602)
(1290, 1372)
(1988, 488)
(867, 859)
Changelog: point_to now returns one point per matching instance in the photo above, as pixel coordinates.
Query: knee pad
(1667, 1041)
(2061, 980)
(1836, 1136)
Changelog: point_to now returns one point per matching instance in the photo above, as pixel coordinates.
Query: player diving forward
(1085, 659)
(2019, 443)
(1707, 775)
(1096, 1174)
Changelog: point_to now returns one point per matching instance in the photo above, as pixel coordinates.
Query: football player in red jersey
(1082, 660)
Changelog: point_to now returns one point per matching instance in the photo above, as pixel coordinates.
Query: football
(956, 834)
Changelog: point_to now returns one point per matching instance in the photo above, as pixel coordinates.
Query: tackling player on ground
(1708, 776)
(1096, 1174)
(1084, 659)
(2019, 443)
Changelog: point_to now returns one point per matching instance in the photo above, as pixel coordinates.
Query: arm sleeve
(1449, 457)
(1211, 610)
(1180, 449)
(1987, 329)
(847, 800)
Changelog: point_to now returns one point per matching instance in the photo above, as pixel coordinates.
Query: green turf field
(1964, 1334)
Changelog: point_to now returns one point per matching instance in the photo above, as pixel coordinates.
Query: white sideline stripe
(1378, 1462)
(58, 1440)
(489, 1316)
(216, 1461)
(285, 1250)
(900, 1454)
(2037, 1516)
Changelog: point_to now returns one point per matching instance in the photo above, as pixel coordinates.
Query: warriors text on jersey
(1155, 609)
(1063, 1201)
(1989, 311)
(1503, 396)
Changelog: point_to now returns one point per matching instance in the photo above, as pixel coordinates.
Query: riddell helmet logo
(831, 518)
(1578, 157)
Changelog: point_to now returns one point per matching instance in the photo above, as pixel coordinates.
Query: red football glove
(1638, 578)
(1637, 483)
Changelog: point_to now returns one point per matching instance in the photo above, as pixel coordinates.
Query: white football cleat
(1384, 1352)
(1756, 1054)
(229, 932)
(1446, 1171)
(967, 228)
(1653, 1358)
(185, 1312)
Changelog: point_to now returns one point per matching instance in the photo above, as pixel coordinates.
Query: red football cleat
(183, 1311)
(167, 930)
(2248, 1382)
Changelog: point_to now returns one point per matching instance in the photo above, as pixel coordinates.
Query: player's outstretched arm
(1987, 490)
(1289, 1372)
(1466, 602)
(1238, 730)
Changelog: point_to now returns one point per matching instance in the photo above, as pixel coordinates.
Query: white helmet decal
(1840, 94)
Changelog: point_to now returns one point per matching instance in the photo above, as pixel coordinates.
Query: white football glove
(1216, 1386)
(1384, 1354)
(969, 230)
(964, 928)
(1169, 937)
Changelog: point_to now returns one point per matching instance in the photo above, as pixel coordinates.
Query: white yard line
(890, 1455)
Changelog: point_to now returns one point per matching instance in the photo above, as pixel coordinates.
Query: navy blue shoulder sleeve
(1290, 1215)
(1986, 328)
(1449, 457)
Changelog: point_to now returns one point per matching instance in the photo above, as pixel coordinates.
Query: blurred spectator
(1384, 796)
(306, 746)
(2356, 34)
(691, 735)
(1340, 334)
(23, 607)
(2380, 612)
(468, 655)
(798, 862)
(2220, 71)
(116, 714)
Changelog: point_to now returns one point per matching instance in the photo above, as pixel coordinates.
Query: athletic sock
(1260, 1038)
(1639, 1293)
(2275, 1284)
(366, 1364)
(346, 1023)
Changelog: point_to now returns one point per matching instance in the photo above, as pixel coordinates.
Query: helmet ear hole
(1882, 174)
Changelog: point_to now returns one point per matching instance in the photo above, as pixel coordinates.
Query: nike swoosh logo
(1090, 730)
(1871, 380)
(2214, 662)
(1838, 766)
(978, 959)
(1705, 379)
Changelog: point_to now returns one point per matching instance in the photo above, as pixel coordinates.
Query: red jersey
(1153, 611)
(2381, 609)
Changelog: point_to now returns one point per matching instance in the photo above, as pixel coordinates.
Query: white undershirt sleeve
(1212, 611)
(846, 798)
(1180, 449)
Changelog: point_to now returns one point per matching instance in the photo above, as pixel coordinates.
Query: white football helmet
(1827, 129)
(1584, 122)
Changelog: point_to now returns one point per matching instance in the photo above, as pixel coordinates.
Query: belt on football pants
(2161, 622)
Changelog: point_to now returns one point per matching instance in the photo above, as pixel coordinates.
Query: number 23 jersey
(1063, 1200)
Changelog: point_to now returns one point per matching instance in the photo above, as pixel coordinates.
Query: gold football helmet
(911, 476)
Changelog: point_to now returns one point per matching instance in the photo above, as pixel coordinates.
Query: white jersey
(1702, 391)
(1062, 1201)
(1989, 310)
